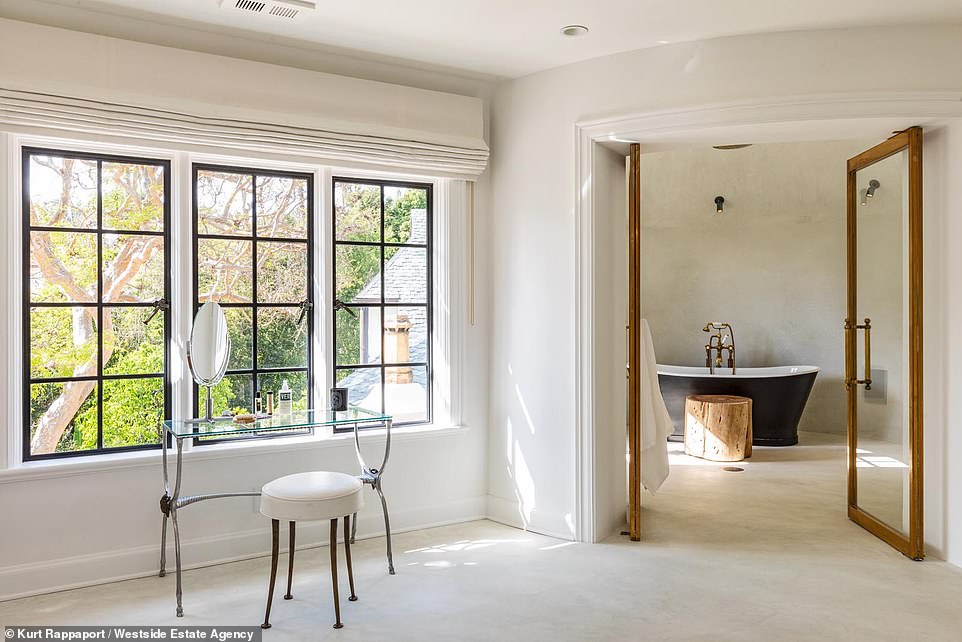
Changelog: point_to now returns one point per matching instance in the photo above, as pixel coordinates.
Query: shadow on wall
(520, 430)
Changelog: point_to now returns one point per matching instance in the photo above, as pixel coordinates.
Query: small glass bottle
(270, 402)
(258, 404)
(284, 399)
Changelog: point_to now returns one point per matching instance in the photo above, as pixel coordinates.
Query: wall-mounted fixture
(719, 204)
(870, 191)
(728, 148)
(574, 30)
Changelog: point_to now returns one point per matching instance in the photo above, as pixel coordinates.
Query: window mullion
(254, 298)
(100, 306)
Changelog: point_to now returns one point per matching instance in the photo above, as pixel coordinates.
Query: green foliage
(64, 341)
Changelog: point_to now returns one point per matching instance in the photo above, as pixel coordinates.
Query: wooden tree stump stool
(718, 427)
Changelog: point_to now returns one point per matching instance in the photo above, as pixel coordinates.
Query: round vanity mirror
(208, 349)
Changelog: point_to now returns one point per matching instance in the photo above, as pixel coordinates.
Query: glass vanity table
(178, 431)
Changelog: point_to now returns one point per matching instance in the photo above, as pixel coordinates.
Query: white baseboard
(511, 513)
(49, 576)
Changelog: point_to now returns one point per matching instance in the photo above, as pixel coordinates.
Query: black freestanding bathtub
(778, 396)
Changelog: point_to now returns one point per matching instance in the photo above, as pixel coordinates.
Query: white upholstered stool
(308, 497)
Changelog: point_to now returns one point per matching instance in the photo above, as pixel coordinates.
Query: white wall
(610, 317)
(533, 227)
(76, 524)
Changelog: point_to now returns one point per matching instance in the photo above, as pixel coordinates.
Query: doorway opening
(752, 238)
(604, 149)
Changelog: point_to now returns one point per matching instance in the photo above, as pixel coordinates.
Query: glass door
(883, 341)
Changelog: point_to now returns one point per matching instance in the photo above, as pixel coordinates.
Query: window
(95, 292)
(253, 255)
(383, 296)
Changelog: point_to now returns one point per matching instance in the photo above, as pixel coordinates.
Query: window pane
(63, 266)
(363, 387)
(130, 347)
(357, 212)
(63, 342)
(232, 393)
(63, 192)
(358, 336)
(132, 408)
(406, 393)
(297, 381)
(281, 340)
(281, 272)
(406, 275)
(405, 215)
(225, 203)
(224, 271)
(133, 197)
(358, 274)
(282, 207)
(240, 330)
(405, 335)
(63, 417)
(133, 268)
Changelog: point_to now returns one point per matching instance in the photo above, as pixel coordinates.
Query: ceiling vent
(286, 9)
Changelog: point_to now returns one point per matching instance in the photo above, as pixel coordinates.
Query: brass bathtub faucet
(717, 344)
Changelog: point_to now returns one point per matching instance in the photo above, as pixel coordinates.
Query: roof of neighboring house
(404, 272)
(404, 281)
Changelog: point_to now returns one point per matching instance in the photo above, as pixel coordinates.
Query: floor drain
(732, 469)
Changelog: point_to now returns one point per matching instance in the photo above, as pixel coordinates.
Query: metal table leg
(164, 503)
(170, 504)
(173, 518)
(372, 476)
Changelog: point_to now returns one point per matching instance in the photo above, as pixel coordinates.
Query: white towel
(656, 423)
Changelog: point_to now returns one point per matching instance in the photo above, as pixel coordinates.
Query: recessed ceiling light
(574, 30)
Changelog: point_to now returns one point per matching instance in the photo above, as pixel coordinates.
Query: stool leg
(347, 554)
(353, 527)
(275, 536)
(290, 563)
(337, 605)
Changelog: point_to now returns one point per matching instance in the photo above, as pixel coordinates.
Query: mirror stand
(208, 417)
(209, 383)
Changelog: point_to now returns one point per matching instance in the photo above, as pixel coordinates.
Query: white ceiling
(503, 38)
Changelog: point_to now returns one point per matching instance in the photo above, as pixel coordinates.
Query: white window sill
(53, 468)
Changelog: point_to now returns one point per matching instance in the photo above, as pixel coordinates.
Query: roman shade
(67, 114)
(71, 84)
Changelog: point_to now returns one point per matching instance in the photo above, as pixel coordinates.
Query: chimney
(397, 346)
(419, 227)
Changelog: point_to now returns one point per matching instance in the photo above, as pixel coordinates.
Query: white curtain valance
(82, 115)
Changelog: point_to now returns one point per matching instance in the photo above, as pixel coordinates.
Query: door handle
(867, 327)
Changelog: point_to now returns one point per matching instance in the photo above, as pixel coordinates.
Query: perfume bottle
(270, 402)
(258, 404)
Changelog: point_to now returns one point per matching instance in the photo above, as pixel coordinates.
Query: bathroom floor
(763, 554)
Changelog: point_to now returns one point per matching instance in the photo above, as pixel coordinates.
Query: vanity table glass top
(225, 427)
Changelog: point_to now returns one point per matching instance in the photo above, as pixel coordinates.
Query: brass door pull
(867, 326)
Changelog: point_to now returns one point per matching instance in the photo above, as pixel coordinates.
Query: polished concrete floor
(763, 554)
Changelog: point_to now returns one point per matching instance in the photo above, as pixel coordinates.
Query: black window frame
(428, 304)
(254, 371)
(99, 304)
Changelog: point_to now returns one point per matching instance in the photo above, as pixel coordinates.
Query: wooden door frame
(911, 545)
(634, 342)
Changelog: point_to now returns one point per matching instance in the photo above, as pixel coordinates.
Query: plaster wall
(773, 264)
